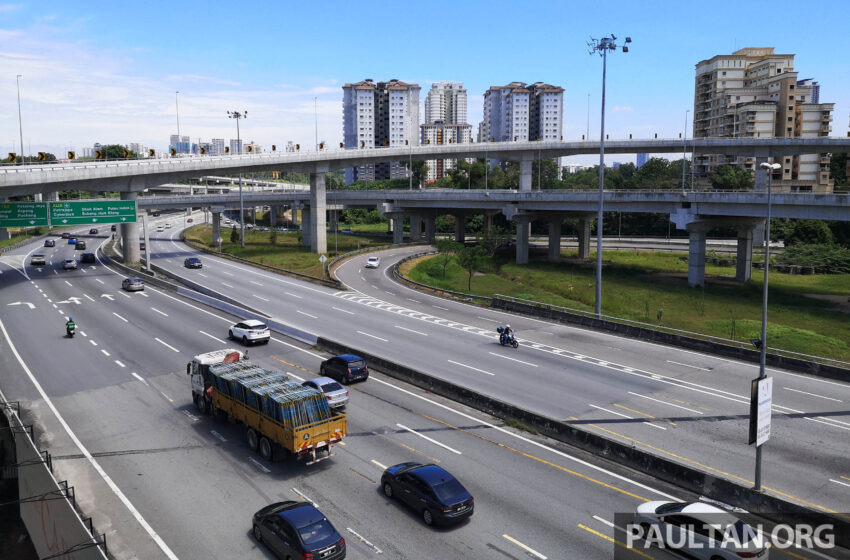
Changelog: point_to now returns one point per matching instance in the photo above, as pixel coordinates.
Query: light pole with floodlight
(770, 167)
(237, 115)
(20, 126)
(684, 149)
(602, 46)
(177, 108)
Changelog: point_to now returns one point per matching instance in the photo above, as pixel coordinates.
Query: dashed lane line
(423, 436)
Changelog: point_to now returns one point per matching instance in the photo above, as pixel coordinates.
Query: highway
(122, 390)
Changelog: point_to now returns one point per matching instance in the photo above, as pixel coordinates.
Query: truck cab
(198, 372)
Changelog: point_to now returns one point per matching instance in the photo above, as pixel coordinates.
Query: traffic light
(98, 154)
(173, 152)
(203, 150)
(227, 149)
(126, 153)
(151, 153)
(42, 156)
(72, 155)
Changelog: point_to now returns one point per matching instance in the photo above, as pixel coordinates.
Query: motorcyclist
(70, 325)
(507, 332)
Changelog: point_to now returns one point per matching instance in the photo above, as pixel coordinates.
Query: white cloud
(623, 108)
(9, 8)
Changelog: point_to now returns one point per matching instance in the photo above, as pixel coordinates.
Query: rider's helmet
(71, 319)
(507, 326)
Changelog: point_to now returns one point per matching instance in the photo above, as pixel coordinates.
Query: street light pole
(316, 117)
(602, 46)
(237, 115)
(20, 126)
(770, 167)
(177, 107)
(684, 149)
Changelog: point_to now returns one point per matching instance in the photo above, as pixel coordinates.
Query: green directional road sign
(23, 214)
(92, 212)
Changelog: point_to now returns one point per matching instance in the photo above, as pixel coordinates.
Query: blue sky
(108, 71)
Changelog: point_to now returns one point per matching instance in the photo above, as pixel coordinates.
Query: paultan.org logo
(718, 536)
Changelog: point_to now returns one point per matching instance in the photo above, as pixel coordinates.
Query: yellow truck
(276, 411)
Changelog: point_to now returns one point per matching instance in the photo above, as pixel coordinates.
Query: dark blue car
(298, 530)
(430, 490)
(345, 368)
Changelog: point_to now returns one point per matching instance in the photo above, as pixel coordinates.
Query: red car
(189, 220)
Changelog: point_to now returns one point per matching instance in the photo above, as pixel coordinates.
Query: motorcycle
(508, 340)
(70, 329)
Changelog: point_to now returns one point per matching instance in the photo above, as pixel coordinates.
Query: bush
(825, 257)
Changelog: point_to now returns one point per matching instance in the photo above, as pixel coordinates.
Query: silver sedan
(336, 394)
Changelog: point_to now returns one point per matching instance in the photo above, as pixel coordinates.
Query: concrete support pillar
(696, 257)
(525, 175)
(488, 224)
(523, 231)
(306, 214)
(53, 197)
(333, 220)
(430, 229)
(460, 225)
(415, 228)
(398, 229)
(4, 234)
(273, 210)
(318, 218)
(294, 214)
(130, 235)
(555, 240)
(216, 227)
(584, 238)
(744, 265)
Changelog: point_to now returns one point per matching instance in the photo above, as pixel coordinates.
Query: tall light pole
(237, 115)
(20, 126)
(684, 149)
(316, 117)
(177, 107)
(602, 46)
(770, 167)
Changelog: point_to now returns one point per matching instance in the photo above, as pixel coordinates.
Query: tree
(809, 232)
(838, 169)
(493, 239)
(273, 236)
(234, 235)
(116, 151)
(446, 247)
(728, 178)
(470, 259)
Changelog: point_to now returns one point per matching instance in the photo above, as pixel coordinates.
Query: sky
(108, 72)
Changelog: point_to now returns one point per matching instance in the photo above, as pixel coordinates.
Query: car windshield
(331, 387)
(672, 506)
(356, 364)
(316, 532)
(448, 490)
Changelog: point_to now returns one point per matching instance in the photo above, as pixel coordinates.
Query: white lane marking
(99, 280)
(255, 283)
(528, 549)
(363, 540)
(226, 284)
(409, 330)
(838, 482)
(68, 283)
(435, 442)
(373, 336)
(114, 487)
(143, 294)
(258, 465)
(470, 367)
(604, 521)
(307, 314)
(93, 342)
(665, 402)
(438, 307)
(120, 317)
(383, 467)
(54, 305)
(83, 333)
(687, 365)
(374, 286)
(290, 374)
(413, 300)
(126, 295)
(105, 353)
(160, 312)
(202, 274)
(293, 295)
(486, 319)
(302, 495)
(513, 359)
(218, 436)
(225, 272)
(119, 364)
(647, 422)
(343, 310)
(259, 297)
(139, 377)
(88, 297)
(389, 293)
(166, 344)
(169, 399)
(217, 339)
(812, 394)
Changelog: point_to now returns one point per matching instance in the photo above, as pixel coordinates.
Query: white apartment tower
(755, 93)
(445, 123)
(378, 115)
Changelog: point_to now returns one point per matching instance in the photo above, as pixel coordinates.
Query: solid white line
(105, 353)
(343, 310)
(211, 336)
(226, 284)
(812, 394)
(409, 330)
(259, 297)
(119, 364)
(513, 359)
(665, 402)
(373, 336)
(470, 367)
(838, 482)
(114, 487)
(166, 344)
(435, 442)
(686, 365)
(307, 314)
(525, 548)
(139, 377)
(293, 295)
(379, 464)
(160, 312)
(120, 317)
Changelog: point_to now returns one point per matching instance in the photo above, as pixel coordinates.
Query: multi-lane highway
(185, 486)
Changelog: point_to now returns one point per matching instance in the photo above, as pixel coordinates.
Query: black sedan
(298, 530)
(193, 262)
(429, 490)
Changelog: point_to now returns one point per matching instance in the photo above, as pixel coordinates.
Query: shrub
(826, 258)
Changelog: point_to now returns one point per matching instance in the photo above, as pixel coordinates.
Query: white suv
(373, 262)
(249, 331)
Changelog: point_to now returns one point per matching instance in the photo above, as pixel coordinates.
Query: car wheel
(244, 340)
(266, 449)
(257, 534)
(427, 517)
(230, 335)
(388, 490)
(253, 440)
(201, 403)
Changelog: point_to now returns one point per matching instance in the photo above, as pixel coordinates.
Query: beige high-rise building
(445, 123)
(755, 93)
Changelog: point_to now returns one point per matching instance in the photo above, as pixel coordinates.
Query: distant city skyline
(92, 74)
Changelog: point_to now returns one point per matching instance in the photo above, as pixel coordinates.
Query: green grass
(286, 253)
(637, 286)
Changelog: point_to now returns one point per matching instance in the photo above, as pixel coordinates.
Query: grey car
(133, 284)
(336, 394)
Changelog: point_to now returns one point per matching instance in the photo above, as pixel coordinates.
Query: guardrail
(339, 258)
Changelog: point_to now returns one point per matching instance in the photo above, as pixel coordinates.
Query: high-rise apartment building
(180, 143)
(217, 147)
(518, 112)
(445, 123)
(755, 93)
(235, 146)
(378, 115)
